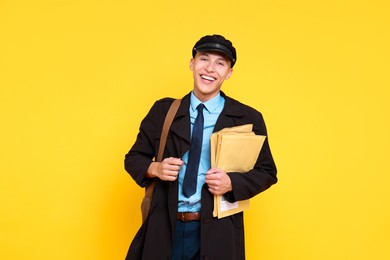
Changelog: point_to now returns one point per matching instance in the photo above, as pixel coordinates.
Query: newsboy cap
(216, 43)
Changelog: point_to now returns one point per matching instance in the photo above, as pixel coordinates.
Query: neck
(204, 97)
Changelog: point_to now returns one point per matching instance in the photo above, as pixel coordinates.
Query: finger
(211, 171)
(214, 170)
(174, 167)
(213, 191)
(169, 177)
(174, 161)
(170, 173)
(209, 181)
(170, 167)
(178, 161)
(212, 177)
(213, 184)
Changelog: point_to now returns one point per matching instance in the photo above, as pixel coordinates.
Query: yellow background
(77, 77)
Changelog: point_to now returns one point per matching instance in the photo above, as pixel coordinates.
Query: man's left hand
(218, 181)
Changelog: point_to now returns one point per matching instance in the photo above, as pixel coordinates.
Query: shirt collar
(210, 105)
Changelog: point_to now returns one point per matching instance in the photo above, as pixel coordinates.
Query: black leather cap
(216, 43)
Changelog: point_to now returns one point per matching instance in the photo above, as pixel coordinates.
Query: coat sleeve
(144, 150)
(263, 175)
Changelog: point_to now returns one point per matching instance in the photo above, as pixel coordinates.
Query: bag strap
(163, 140)
(167, 124)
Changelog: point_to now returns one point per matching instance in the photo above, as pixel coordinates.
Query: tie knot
(200, 108)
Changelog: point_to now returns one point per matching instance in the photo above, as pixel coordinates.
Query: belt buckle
(182, 216)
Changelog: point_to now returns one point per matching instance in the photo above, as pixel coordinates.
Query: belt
(188, 216)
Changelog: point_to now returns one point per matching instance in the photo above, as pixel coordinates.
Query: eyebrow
(220, 56)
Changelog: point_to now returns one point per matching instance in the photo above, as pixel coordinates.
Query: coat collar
(232, 107)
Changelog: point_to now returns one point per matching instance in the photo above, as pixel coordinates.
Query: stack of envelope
(234, 149)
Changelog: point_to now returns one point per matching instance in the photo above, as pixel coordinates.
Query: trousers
(186, 242)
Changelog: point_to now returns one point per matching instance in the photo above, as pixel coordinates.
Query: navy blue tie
(191, 175)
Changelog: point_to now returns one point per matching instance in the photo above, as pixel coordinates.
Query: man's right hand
(167, 170)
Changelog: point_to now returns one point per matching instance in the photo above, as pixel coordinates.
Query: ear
(229, 73)
(192, 64)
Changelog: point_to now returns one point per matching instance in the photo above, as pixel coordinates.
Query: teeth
(207, 77)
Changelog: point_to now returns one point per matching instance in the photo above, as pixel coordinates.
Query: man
(180, 224)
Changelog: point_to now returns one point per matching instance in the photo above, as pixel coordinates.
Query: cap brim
(215, 47)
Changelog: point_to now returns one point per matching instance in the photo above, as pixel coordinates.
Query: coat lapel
(230, 113)
(180, 127)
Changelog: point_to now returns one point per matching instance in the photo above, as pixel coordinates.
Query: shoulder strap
(167, 124)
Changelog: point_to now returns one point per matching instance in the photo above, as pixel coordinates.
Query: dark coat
(220, 238)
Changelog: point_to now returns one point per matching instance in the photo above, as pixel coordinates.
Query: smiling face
(209, 70)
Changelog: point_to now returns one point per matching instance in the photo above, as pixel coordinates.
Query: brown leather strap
(188, 216)
(167, 124)
(163, 140)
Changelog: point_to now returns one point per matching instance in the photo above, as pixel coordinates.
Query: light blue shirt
(213, 109)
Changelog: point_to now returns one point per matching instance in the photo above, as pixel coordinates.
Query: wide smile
(207, 78)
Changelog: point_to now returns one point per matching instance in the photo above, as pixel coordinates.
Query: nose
(210, 67)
